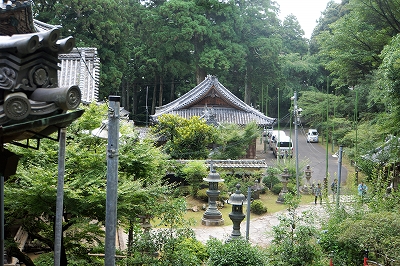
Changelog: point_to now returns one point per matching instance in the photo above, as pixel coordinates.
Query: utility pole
(297, 112)
(339, 175)
(112, 179)
(60, 198)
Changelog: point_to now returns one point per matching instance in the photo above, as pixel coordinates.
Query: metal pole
(339, 175)
(60, 197)
(2, 218)
(248, 212)
(277, 157)
(327, 140)
(296, 143)
(356, 124)
(112, 179)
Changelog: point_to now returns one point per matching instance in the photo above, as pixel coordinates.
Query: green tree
(105, 25)
(194, 173)
(352, 46)
(293, 36)
(389, 80)
(186, 138)
(30, 198)
(233, 140)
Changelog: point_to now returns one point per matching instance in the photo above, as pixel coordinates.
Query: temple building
(211, 100)
(215, 103)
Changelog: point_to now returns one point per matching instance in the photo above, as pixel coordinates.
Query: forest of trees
(154, 51)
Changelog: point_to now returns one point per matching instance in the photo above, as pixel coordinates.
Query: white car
(283, 148)
(312, 135)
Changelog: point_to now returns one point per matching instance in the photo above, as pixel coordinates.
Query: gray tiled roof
(235, 111)
(79, 67)
(241, 163)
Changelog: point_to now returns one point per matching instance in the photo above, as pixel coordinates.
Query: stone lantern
(307, 186)
(212, 215)
(285, 180)
(256, 188)
(237, 200)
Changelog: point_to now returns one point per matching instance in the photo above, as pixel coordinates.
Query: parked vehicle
(312, 135)
(283, 147)
(274, 136)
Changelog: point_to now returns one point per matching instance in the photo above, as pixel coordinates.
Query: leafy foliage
(194, 173)
(370, 225)
(234, 252)
(30, 195)
(186, 138)
(233, 141)
(258, 207)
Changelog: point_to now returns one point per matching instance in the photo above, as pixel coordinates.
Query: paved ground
(260, 232)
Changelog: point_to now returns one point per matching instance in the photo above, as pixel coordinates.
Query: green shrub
(258, 207)
(194, 247)
(235, 252)
(271, 179)
(276, 189)
(292, 188)
(202, 195)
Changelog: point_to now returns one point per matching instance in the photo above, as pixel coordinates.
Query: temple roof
(210, 99)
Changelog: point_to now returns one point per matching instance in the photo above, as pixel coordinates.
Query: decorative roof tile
(79, 67)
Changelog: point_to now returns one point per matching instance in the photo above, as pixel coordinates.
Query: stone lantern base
(281, 197)
(212, 220)
(306, 190)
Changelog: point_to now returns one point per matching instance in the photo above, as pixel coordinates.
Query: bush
(276, 189)
(194, 172)
(235, 252)
(271, 179)
(257, 207)
(202, 195)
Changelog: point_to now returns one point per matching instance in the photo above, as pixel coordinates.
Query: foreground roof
(79, 67)
(211, 100)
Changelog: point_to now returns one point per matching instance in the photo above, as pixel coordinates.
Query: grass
(269, 200)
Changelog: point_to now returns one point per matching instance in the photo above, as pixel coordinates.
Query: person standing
(318, 193)
(362, 189)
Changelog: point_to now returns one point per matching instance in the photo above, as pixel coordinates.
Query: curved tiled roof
(234, 111)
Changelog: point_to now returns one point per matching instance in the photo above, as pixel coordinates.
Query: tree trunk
(134, 99)
(153, 102)
(130, 237)
(200, 75)
(22, 257)
(127, 101)
(160, 95)
(247, 89)
(172, 95)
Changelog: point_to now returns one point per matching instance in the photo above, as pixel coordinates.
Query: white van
(312, 135)
(274, 136)
(283, 148)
